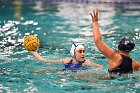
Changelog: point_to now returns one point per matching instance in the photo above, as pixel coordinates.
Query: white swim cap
(74, 47)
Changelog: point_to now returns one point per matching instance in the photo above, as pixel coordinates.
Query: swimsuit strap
(72, 66)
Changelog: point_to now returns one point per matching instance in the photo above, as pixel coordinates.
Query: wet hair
(74, 47)
(126, 44)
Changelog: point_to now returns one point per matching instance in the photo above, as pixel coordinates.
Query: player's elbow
(97, 40)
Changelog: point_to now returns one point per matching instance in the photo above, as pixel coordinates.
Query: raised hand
(94, 15)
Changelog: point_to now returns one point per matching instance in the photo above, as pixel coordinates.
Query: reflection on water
(57, 25)
(17, 8)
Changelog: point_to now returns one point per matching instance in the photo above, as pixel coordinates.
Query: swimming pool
(57, 25)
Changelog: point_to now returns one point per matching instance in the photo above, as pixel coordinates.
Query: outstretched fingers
(95, 12)
(91, 15)
(94, 15)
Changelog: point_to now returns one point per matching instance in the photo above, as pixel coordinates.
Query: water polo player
(76, 62)
(120, 62)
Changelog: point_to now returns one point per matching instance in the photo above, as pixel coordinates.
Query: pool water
(57, 26)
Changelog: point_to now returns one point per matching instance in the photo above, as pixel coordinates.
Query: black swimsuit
(124, 68)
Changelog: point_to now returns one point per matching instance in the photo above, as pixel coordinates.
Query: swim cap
(74, 47)
(126, 44)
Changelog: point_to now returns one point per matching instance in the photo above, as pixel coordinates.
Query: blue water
(57, 25)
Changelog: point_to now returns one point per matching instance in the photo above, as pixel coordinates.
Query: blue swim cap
(126, 44)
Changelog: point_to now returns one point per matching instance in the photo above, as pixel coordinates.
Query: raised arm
(41, 59)
(102, 47)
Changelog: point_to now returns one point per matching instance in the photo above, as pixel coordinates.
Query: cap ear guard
(73, 49)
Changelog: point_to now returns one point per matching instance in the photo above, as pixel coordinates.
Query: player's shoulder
(67, 60)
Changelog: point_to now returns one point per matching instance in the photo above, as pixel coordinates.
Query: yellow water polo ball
(31, 43)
